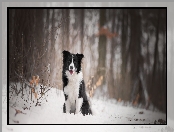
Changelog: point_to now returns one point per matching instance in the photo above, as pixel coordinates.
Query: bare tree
(82, 28)
(101, 69)
(111, 85)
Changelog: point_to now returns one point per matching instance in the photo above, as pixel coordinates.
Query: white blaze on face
(71, 67)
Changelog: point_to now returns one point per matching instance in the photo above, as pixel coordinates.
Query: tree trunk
(65, 24)
(100, 75)
(111, 87)
(124, 54)
(101, 70)
(156, 46)
(135, 52)
(123, 45)
(82, 27)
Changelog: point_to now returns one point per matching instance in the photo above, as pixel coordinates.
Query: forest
(124, 49)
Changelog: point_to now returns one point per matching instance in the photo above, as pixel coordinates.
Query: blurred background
(124, 49)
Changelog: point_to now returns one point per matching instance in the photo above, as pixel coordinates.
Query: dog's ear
(79, 59)
(65, 53)
(79, 56)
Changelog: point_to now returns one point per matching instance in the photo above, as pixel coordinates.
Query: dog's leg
(64, 108)
(79, 102)
(86, 110)
(68, 106)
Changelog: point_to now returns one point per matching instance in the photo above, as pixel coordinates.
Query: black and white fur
(73, 85)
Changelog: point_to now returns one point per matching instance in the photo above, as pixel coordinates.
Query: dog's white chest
(72, 89)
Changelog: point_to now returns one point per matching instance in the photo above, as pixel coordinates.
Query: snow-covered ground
(105, 112)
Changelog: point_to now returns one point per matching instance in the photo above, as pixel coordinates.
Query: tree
(82, 27)
(101, 69)
(111, 86)
(137, 74)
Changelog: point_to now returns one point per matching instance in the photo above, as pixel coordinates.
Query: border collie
(73, 85)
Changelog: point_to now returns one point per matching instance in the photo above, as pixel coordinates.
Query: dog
(76, 99)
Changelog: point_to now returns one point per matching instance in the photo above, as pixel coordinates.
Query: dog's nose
(71, 67)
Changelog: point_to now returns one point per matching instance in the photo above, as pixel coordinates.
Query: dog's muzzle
(71, 72)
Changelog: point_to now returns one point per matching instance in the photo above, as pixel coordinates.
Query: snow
(105, 112)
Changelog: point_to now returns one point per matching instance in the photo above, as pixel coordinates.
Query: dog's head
(72, 62)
